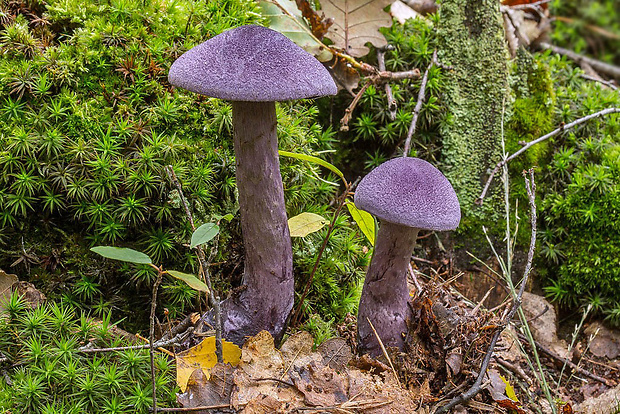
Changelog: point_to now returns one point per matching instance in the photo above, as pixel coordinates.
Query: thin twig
(517, 370)
(609, 84)
(418, 106)
(160, 275)
(193, 409)
(530, 187)
(415, 280)
(562, 128)
(348, 113)
(385, 354)
(341, 203)
(391, 102)
(601, 67)
(204, 266)
(177, 340)
(568, 363)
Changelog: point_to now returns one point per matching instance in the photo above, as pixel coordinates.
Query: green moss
(45, 372)
(88, 121)
(532, 113)
(471, 41)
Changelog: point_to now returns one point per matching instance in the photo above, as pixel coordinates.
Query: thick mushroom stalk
(268, 275)
(385, 294)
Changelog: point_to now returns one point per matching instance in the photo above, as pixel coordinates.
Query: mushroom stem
(268, 294)
(385, 294)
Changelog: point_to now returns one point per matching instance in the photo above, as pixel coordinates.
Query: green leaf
(315, 160)
(306, 223)
(122, 253)
(285, 17)
(204, 233)
(191, 280)
(364, 220)
(228, 217)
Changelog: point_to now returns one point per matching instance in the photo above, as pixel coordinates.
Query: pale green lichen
(471, 41)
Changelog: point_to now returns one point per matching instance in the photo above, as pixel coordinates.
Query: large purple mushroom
(254, 67)
(406, 195)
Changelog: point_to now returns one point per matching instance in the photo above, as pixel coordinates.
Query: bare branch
(388, 89)
(418, 106)
(601, 67)
(530, 144)
(177, 340)
(204, 265)
(609, 84)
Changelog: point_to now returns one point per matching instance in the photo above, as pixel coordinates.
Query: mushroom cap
(251, 63)
(410, 192)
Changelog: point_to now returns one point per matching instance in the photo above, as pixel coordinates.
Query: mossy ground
(90, 122)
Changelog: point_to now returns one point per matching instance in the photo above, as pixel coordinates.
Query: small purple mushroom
(254, 67)
(406, 195)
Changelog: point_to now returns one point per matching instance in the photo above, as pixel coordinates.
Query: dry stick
(415, 280)
(348, 113)
(158, 344)
(568, 363)
(375, 79)
(530, 144)
(601, 67)
(160, 274)
(193, 409)
(343, 198)
(418, 106)
(609, 84)
(530, 187)
(388, 89)
(385, 354)
(214, 302)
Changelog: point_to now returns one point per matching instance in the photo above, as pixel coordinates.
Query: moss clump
(471, 41)
(88, 122)
(580, 196)
(532, 111)
(48, 375)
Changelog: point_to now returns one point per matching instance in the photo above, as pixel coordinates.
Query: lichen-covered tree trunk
(471, 41)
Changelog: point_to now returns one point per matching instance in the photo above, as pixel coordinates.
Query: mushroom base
(385, 293)
(268, 285)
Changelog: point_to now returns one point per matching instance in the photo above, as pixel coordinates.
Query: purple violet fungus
(406, 195)
(254, 67)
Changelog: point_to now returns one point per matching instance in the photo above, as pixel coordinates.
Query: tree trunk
(471, 41)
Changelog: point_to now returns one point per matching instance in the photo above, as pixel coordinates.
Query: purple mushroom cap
(251, 63)
(411, 192)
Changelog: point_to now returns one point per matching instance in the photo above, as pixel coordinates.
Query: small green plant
(139, 397)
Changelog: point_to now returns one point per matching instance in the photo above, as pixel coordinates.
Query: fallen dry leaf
(202, 357)
(6, 283)
(203, 390)
(356, 22)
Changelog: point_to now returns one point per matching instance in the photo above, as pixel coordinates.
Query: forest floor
(450, 337)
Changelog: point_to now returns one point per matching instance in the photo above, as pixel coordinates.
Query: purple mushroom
(254, 67)
(406, 195)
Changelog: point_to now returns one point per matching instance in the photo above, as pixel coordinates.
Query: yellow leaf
(364, 220)
(202, 356)
(306, 223)
(510, 391)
